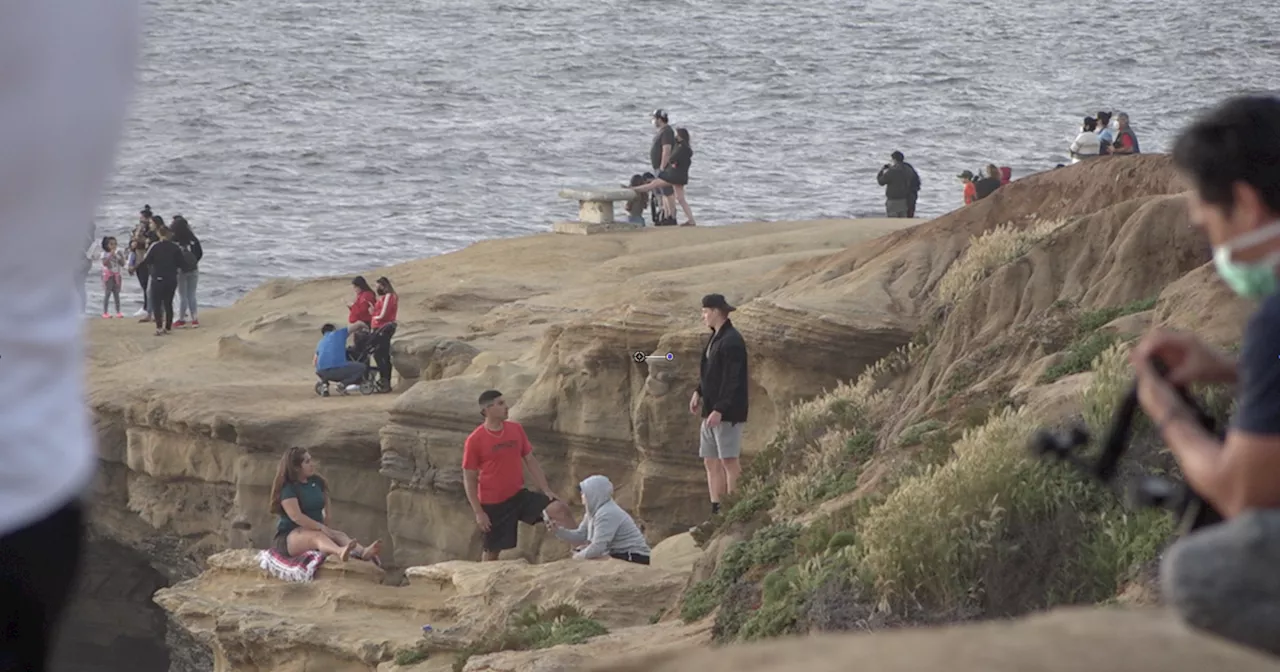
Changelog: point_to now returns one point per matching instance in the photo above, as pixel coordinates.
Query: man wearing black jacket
(901, 186)
(721, 399)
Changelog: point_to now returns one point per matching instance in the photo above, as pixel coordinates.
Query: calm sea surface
(317, 137)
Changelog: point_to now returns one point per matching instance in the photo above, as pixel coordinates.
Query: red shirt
(500, 460)
(360, 309)
(970, 193)
(391, 302)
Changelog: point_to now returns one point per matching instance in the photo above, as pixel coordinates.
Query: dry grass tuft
(988, 252)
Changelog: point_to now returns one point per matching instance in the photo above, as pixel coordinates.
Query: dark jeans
(911, 206)
(162, 294)
(347, 374)
(38, 568)
(142, 282)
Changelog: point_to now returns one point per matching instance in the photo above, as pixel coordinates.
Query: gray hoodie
(606, 528)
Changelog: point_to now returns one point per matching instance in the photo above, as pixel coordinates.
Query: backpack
(189, 260)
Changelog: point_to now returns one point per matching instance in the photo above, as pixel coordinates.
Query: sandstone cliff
(192, 425)
(1099, 247)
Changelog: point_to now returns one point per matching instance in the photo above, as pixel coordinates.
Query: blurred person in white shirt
(67, 73)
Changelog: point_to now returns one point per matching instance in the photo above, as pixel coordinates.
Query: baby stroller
(361, 351)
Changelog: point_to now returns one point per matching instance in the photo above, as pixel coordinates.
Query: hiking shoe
(180, 323)
(195, 323)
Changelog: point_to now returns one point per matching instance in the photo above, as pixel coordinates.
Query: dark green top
(310, 496)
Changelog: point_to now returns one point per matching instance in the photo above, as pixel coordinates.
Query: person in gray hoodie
(606, 529)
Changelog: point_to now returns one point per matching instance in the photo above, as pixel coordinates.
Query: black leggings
(163, 297)
(38, 568)
(142, 280)
(632, 557)
(382, 352)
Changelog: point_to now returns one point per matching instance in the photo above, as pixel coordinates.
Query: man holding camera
(1224, 578)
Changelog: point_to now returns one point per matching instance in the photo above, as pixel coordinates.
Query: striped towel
(299, 568)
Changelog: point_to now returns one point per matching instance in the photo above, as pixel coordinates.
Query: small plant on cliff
(767, 548)
(535, 628)
(991, 250)
(411, 655)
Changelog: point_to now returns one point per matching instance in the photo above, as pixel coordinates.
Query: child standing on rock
(113, 263)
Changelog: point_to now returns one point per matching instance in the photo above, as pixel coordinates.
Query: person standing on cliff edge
(721, 399)
(901, 186)
(493, 462)
(68, 75)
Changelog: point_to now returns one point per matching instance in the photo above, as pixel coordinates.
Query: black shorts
(281, 543)
(38, 569)
(504, 517)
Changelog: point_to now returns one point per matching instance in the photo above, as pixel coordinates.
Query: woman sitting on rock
(301, 498)
(606, 529)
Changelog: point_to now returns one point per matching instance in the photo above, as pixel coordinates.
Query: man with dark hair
(664, 141)
(721, 399)
(901, 186)
(332, 365)
(494, 458)
(1223, 578)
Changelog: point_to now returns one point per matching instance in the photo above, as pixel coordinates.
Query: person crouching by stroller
(384, 327)
(332, 365)
(606, 530)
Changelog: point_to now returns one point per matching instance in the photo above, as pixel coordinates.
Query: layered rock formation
(192, 425)
(349, 619)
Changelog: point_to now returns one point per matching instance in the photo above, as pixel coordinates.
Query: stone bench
(595, 211)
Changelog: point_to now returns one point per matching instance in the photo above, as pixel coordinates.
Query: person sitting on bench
(606, 529)
(331, 360)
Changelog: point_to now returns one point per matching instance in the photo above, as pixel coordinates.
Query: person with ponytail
(300, 497)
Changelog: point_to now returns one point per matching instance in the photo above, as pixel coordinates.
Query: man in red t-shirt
(493, 462)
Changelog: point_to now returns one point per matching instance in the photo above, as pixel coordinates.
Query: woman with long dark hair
(676, 174)
(384, 327)
(361, 310)
(187, 277)
(300, 497)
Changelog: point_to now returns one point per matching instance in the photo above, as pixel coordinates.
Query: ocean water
(313, 137)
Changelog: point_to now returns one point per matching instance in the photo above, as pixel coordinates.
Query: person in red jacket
(361, 310)
(384, 327)
(970, 191)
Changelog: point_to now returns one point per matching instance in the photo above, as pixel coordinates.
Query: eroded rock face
(347, 619)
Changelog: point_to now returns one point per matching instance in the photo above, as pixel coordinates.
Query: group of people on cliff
(1101, 136)
(165, 259)
(498, 454)
(659, 191)
(371, 323)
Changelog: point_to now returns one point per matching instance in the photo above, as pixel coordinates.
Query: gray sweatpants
(1226, 579)
(896, 207)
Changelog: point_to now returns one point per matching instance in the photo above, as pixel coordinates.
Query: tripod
(1190, 510)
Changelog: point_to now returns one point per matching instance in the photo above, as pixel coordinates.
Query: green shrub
(533, 628)
(1079, 355)
(411, 655)
(929, 542)
(1093, 320)
(767, 548)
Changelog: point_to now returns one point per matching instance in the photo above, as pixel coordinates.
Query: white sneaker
(353, 388)
(141, 312)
